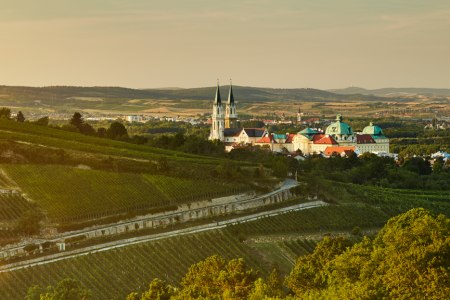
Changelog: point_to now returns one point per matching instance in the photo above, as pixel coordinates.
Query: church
(338, 138)
(224, 125)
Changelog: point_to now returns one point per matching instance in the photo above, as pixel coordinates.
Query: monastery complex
(337, 138)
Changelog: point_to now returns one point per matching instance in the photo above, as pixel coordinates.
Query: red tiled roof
(339, 149)
(364, 139)
(266, 139)
(290, 137)
(323, 139)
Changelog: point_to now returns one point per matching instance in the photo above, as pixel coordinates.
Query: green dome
(372, 129)
(339, 127)
(308, 132)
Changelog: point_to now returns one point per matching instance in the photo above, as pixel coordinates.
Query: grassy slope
(50, 137)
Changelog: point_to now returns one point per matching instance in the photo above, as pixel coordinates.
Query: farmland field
(69, 193)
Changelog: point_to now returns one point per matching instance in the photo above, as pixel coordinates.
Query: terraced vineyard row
(12, 206)
(69, 194)
(132, 267)
(320, 219)
(300, 247)
(183, 190)
(395, 201)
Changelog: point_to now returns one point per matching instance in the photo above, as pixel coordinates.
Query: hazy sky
(279, 43)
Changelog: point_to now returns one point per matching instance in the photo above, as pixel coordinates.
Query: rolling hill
(92, 96)
(393, 92)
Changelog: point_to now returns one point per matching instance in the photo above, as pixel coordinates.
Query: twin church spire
(218, 99)
(220, 121)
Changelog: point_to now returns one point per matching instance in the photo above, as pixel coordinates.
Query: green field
(70, 193)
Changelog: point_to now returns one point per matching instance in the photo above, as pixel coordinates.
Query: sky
(190, 43)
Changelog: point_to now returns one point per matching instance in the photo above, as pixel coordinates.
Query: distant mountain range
(394, 92)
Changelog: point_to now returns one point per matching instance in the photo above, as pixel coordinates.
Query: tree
(76, 120)
(158, 290)
(66, 289)
(116, 130)
(438, 165)
(20, 117)
(42, 121)
(34, 293)
(216, 278)
(101, 132)
(308, 274)
(418, 165)
(5, 113)
(408, 259)
(87, 129)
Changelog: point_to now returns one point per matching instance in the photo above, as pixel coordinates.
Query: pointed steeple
(217, 99)
(230, 94)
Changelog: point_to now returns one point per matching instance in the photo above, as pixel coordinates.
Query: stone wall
(184, 213)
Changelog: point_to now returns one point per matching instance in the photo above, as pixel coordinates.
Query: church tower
(299, 115)
(217, 126)
(230, 110)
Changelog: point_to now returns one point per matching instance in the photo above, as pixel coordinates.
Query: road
(142, 239)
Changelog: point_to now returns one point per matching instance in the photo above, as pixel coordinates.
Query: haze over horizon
(281, 44)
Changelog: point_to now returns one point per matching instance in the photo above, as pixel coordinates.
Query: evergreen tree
(116, 130)
(76, 120)
(5, 113)
(20, 117)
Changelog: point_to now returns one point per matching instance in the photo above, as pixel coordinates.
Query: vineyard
(68, 193)
(12, 206)
(30, 133)
(184, 190)
(134, 266)
(317, 220)
(396, 201)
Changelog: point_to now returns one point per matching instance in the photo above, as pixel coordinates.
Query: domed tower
(217, 125)
(340, 131)
(230, 110)
(373, 129)
(381, 141)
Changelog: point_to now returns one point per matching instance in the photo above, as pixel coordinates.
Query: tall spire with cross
(217, 119)
(217, 99)
(230, 110)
